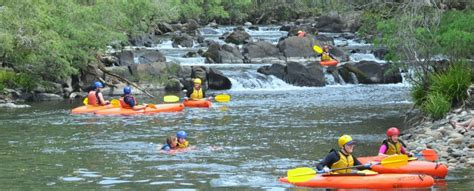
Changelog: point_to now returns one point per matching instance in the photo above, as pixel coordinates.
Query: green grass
(453, 84)
(436, 105)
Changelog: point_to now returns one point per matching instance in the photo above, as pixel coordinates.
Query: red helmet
(393, 131)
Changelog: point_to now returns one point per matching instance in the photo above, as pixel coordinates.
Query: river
(246, 144)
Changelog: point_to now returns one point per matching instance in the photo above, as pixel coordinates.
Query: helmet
(197, 81)
(181, 134)
(98, 85)
(345, 139)
(393, 131)
(325, 47)
(127, 90)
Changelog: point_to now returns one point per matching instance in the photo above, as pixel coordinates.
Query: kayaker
(128, 101)
(392, 145)
(171, 143)
(95, 97)
(197, 92)
(301, 34)
(342, 158)
(326, 56)
(182, 142)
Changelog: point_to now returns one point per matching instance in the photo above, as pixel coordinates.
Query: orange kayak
(378, 181)
(89, 109)
(329, 63)
(197, 103)
(437, 170)
(174, 107)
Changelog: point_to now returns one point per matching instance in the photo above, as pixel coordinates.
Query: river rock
(142, 40)
(149, 56)
(173, 85)
(217, 80)
(47, 97)
(164, 28)
(238, 37)
(208, 31)
(369, 72)
(247, 24)
(309, 74)
(225, 54)
(260, 49)
(322, 40)
(182, 40)
(125, 57)
(297, 47)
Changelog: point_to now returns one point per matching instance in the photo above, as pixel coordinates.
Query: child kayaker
(171, 143)
(342, 158)
(128, 101)
(197, 92)
(325, 55)
(182, 142)
(392, 145)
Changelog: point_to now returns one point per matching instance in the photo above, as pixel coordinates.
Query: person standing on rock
(392, 145)
(197, 92)
(95, 97)
(301, 34)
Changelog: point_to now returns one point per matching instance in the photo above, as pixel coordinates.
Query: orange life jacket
(92, 97)
(124, 104)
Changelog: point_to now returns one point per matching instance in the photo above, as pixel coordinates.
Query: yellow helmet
(197, 81)
(345, 139)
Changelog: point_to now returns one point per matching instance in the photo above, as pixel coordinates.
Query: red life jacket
(92, 97)
(124, 104)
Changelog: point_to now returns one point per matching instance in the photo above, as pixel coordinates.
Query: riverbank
(453, 145)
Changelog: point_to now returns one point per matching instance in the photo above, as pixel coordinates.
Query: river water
(246, 144)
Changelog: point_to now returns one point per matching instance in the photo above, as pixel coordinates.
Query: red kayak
(329, 63)
(437, 170)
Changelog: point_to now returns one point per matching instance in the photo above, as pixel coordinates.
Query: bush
(436, 105)
(453, 84)
(418, 93)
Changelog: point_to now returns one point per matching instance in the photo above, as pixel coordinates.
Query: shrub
(436, 105)
(453, 84)
(418, 93)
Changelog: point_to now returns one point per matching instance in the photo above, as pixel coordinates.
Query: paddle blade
(429, 154)
(317, 49)
(115, 103)
(151, 106)
(170, 98)
(300, 174)
(86, 101)
(222, 98)
(367, 172)
(395, 161)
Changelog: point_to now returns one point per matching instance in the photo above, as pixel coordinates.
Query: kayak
(89, 109)
(329, 63)
(197, 103)
(377, 181)
(173, 107)
(437, 170)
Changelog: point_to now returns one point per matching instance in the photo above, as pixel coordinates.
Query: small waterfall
(357, 57)
(329, 79)
(354, 78)
(341, 80)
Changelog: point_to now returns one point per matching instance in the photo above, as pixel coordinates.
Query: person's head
(172, 141)
(393, 133)
(197, 83)
(127, 90)
(181, 135)
(98, 85)
(346, 143)
(326, 48)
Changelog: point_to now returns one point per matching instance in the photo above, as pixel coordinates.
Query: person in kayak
(171, 143)
(182, 142)
(392, 145)
(128, 101)
(326, 56)
(197, 92)
(342, 158)
(95, 97)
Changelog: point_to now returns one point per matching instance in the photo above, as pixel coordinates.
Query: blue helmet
(181, 134)
(98, 85)
(127, 90)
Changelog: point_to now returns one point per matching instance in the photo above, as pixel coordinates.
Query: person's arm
(330, 55)
(357, 162)
(328, 161)
(101, 98)
(383, 149)
(188, 94)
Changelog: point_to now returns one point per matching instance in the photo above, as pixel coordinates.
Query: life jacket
(197, 94)
(93, 98)
(343, 162)
(393, 148)
(325, 56)
(183, 145)
(125, 104)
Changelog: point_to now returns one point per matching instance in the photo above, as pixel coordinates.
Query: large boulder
(260, 49)
(149, 56)
(339, 54)
(142, 40)
(217, 80)
(348, 22)
(238, 37)
(225, 54)
(380, 53)
(309, 74)
(125, 57)
(297, 47)
(324, 40)
(148, 72)
(183, 40)
(163, 28)
(370, 72)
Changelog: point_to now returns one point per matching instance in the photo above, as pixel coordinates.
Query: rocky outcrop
(262, 52)
(369, 72)
(348, 22)
(217, 80)
(144, 56)
(238, 37)
(182, 40)
(308, 74)
(297, 47)
(222, 54)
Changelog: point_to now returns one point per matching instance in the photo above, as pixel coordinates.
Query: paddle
(304, 173)
(428, 154)
(317, 49)
(218, 98)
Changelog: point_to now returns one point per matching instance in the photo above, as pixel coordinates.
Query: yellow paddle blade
(170, 98)
(115, 103)
(367, 172)
(395, 161)
(222, 98)
(412, 158)
(317, 49)
(86, 101)
(151, 106)
(302, 174)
